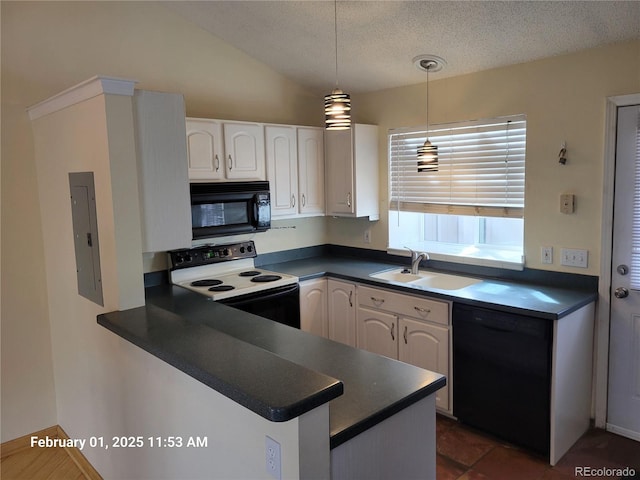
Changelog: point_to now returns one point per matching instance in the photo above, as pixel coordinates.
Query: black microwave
(229, 208)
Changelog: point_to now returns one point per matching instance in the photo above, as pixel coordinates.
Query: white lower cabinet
(313, 307)
(411, 329)
(427, 346)
(342, 311)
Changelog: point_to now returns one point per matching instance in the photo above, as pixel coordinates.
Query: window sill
(455, 253)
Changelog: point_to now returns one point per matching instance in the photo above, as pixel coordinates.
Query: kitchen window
(471, 210)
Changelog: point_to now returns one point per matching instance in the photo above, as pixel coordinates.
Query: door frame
(606, 245)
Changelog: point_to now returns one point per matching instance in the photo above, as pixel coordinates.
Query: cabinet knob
(217, 162)
(425, 311)
(377, 300)
(293, 200)
(349, 199)
(230, 162)
(405, 335)
(393, 328)
(304, 200)
(351, 298)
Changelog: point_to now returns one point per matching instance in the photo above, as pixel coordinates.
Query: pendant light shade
(337, 105)
(428, 157)
(428, 153)
(337, 110)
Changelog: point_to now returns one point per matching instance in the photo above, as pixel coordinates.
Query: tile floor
(466, 454)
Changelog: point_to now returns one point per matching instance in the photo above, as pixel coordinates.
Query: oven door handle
(262, 295)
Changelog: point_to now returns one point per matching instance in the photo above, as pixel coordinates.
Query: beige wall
(50, 46)
(564, 100)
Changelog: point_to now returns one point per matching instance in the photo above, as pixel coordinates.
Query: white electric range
(227, 274)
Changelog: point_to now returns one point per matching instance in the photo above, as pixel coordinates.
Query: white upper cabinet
(220, 150)
(244, 151)
(162, 171)
(311, 170)
(282, 169)
(206, 154)
(352, 172)
(295, 170)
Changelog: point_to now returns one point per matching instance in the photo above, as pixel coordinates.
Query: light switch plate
(567, 203)
(574, 257)
(546, 255)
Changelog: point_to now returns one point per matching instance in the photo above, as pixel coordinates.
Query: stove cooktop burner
(207, 282)
(266, 278)
(249, 273)
(221, 288)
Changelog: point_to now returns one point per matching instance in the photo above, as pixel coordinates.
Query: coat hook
(562, 156)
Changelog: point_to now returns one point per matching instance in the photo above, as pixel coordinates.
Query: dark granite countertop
(531, 299)
(284, 372)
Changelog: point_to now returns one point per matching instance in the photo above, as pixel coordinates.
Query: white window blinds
(635, 227)
(480, 168)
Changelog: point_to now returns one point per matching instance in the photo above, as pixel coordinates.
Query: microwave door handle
(255, 212)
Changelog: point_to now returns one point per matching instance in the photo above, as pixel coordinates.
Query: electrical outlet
(573, 257)
(273, 458)
(546, 255)
(367, 235)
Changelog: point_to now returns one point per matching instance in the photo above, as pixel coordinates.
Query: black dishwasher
(502, 374)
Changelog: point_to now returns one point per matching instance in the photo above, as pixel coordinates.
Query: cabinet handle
(405, 335)
(426, 311)
(304, 200)
(393, 328)
(351, 298)
(217, 162)
(377, 300)
(349, 199)
(230, 163)
(293, 200)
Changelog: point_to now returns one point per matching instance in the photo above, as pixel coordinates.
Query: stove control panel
(208, 254)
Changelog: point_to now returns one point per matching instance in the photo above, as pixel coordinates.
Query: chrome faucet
(416, 257)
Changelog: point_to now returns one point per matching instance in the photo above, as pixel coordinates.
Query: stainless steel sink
(426, 279)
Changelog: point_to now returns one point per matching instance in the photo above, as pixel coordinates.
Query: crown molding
(90, 88)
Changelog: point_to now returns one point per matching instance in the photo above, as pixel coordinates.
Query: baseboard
(24, 443)
(79, 459)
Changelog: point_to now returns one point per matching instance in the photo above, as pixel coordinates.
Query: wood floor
(40, 464)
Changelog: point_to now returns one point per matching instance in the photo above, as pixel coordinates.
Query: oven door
(281, 304)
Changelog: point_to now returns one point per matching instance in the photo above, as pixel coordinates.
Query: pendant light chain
(335, 31)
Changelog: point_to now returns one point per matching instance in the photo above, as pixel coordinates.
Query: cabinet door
(426, 346)
(204, 149)
(244, 151)
(342, 312)
(311, 171)
(377, 332)
(313, 307)
(339, 158)
(282, 169)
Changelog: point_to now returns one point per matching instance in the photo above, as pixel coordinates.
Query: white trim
(90, 88)
(625, 432)
(604, 283)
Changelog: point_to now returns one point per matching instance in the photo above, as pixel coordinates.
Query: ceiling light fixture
(428, 153)
(337, 105)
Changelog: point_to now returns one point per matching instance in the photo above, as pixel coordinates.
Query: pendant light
(428, 153)
(337, 105)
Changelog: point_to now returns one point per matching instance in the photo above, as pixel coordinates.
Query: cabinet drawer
(411, 306)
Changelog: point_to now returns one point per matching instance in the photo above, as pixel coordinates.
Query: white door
(311, 170)
(204, 149)
(426, 346)
(623, 415)
(377, 332)
(244, 151)
(282, 169)
(342, 312)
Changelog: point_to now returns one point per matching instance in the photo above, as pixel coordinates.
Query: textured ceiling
(378, 39)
